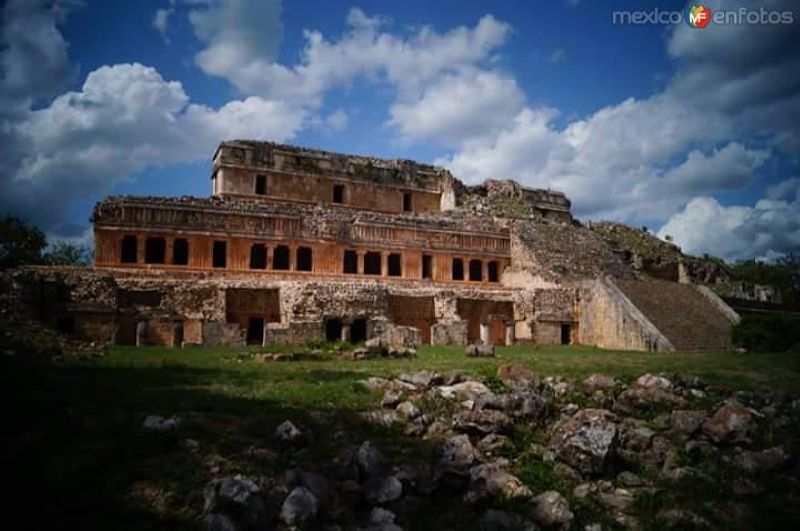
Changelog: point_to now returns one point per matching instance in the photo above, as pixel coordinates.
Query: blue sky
(692, 132)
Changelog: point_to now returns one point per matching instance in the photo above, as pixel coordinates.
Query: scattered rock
(458, 451)
(299, 507)
(233, 501)
(599, 382)
(686, 422)
(481, 422)
(654, 381)
(382, 489)
(586, 440)
(494, 520)
(516, 376)
(480, 351)
(371, 462)
(391, 398)
(551, 509)
(469, 390)
(408, 411)
(493, 480)
(381, 519)
(422, 379)
(288, 433)
(730, 423)
(159, 423)
(760, 461)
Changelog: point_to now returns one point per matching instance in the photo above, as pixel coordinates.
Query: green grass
(76, 437)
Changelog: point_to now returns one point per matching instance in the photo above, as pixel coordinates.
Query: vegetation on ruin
(76, 422)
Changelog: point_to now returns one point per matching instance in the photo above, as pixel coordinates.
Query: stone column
(360, 263)
(384, 264)
(485, 332)
(510, 332)
(345, 332)
(292, 257)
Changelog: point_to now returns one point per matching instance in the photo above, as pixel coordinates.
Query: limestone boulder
(299, 507)
(516, 376)
(480, 351)
(586, 440)
(551, 509)
(458, 451)
(730, 423)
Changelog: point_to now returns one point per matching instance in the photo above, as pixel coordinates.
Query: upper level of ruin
(267, 171)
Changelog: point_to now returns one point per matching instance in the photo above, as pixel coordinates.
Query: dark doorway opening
(566, 333)
(66, 325)
(350, 264)
(180, 252)
(427, 263)
(258, 256)
(407, 205)
(358, 331)
(280, 258)
(333, 329)
(177, 335)
(372, 264)
(220, 254)
(304, 259)
(458, 269)
(155, 250)
(261, 184)
(128, 255)
(338, 193)
(493, 274)
(255, 331)
(475, 270)
(395, 265)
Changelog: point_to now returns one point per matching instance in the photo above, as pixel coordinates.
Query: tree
(67, 254)
(20, 243)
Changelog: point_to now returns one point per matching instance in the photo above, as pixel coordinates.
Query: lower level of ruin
(168, 308)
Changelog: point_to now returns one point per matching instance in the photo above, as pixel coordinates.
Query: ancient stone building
(297, 244)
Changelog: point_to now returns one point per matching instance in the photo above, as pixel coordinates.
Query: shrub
(768, 333)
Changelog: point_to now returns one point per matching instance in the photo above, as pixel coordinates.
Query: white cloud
(785, 189)
(767, 229)
(125, 118)
(459, 107)
(337, 121)
(161, 21)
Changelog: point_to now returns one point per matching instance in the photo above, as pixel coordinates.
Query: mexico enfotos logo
(700, 16)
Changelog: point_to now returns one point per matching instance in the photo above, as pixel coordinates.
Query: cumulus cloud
(765, 230)
(125, 118)
(459, 107)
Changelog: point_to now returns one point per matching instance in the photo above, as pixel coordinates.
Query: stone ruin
(299, 244)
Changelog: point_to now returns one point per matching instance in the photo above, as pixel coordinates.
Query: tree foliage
(23, 244)
(784, 274)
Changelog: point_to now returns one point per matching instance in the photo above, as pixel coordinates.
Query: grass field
(77, 442)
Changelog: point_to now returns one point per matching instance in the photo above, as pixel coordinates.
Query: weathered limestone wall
(608, 319)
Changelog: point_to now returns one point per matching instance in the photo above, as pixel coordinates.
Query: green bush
(768, 333)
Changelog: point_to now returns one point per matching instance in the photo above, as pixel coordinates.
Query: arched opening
(155, 250)
(280, 258)
(458, 269)
(258, 256)
(358, 331)
(372, 263)
(141, 334)
(180, 252)
(338, 193)
(333, 329)
(129, 251)
(304, 259)
(494, 275)
(395, 265)
(177, 335)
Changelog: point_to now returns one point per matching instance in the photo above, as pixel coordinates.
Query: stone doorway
(566, 334)
(333, 329)
(255, 331)
(358, 331)
(497, 331)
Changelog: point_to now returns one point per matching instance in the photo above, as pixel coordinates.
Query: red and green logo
(699, 16)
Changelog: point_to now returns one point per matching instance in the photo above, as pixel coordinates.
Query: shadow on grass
(80, 455)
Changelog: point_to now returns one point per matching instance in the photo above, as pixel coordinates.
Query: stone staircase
(681, 313)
